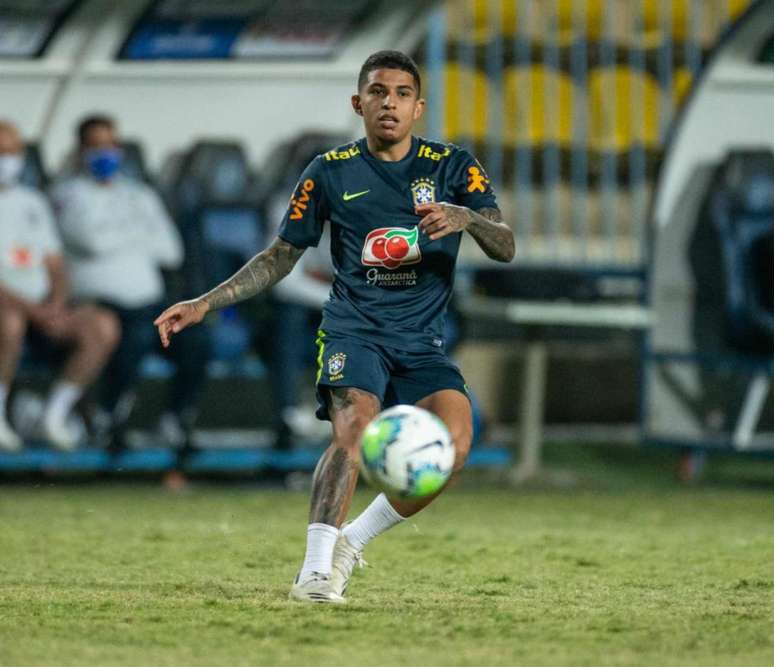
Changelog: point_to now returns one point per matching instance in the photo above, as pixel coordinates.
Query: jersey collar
(384, 170)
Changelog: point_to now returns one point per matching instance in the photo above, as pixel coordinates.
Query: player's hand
(176, 318)
(441, 219)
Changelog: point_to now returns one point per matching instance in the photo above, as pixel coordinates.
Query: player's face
(389, 105)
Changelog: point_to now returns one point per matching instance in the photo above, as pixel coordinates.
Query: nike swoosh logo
(346, 196)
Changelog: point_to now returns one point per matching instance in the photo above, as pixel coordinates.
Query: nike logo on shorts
(346, 196)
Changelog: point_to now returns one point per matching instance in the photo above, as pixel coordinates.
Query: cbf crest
(336, 365)
(423, 191)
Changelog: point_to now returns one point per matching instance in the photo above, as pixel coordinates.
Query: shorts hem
(434, 391)
(322, 404)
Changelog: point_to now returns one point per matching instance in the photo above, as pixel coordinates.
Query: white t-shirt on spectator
(117, 238)
(27, 236)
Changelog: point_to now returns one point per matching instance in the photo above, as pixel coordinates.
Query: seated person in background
(33, 296)
(118, 237)
(298, 303)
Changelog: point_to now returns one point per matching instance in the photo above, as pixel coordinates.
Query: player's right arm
(264, 270)
(301, 227)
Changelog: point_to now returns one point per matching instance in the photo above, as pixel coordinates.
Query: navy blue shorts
(394, 376)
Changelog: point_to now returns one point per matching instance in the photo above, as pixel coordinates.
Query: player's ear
(419, 108)
(357, 105)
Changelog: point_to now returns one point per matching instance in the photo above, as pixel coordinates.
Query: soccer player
(397, 205)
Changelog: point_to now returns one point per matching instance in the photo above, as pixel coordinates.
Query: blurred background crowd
(148, 150)
(95, 256)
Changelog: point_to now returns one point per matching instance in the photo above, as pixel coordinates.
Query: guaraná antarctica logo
(392, 247)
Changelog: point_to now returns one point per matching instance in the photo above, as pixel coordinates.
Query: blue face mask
(103, 163)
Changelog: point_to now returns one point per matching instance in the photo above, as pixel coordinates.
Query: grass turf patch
(624, 567)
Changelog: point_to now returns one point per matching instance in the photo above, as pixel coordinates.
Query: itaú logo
(392, 247)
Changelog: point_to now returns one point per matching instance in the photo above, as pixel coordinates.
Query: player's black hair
(389, 60)
(92, 121)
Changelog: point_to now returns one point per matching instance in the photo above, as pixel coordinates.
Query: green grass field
(623, 566)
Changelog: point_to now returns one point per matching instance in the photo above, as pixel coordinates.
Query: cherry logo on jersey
(392, 247)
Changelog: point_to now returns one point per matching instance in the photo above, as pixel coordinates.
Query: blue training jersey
(392, 283)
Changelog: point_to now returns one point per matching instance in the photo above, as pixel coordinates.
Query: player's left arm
(485, 225)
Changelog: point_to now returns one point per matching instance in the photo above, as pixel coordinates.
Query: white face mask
(10, 169)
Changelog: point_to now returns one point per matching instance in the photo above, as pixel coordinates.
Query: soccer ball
(406, 452)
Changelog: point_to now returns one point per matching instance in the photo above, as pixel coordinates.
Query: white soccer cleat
(315, 587)
(345, 559)
(9, 440)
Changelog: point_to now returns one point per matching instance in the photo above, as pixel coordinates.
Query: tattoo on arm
(261, 272)
(493, 236)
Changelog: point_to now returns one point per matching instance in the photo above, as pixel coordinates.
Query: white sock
(374, 520)
(63, 396)
(3, 398)
(320, 540)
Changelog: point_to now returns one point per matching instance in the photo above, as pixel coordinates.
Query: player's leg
(433, 382)
(333, 484)
(352, 376)
(452, 407)
(13, 325)
(335, 477)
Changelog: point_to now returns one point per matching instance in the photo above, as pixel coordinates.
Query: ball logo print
(406, 452)
(392, 247)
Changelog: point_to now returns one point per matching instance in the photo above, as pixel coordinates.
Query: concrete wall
(168, 105)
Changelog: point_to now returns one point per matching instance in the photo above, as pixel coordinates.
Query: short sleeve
(302, 224)
(470, 183)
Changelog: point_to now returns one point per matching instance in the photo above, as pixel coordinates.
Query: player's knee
(13, 326)
(351, 410)
(462, 437)
(348, 431)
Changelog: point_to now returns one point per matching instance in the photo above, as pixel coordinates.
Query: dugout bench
(564, 301)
